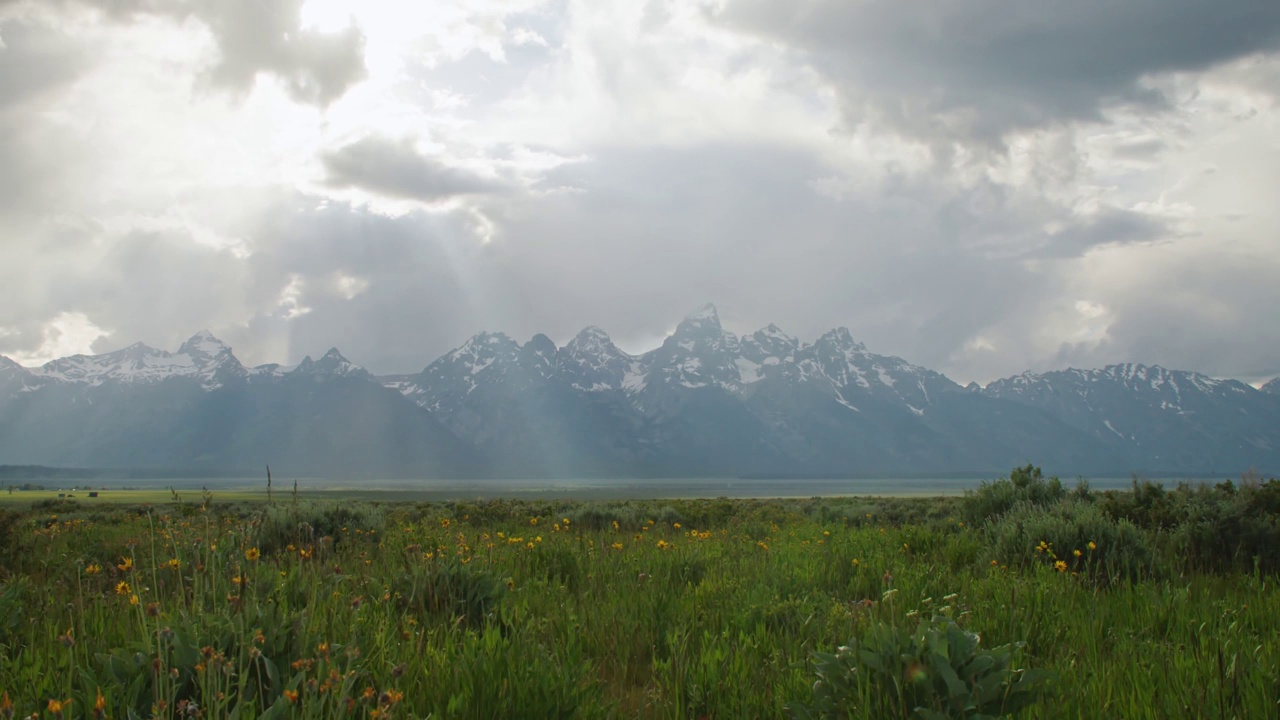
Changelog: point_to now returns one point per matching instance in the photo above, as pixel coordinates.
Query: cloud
(975, 70)
(255, 38)
(396, 169)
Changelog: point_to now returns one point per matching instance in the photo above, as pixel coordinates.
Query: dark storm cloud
(396, 169)
(36, 65)
(976, 69)
(1109, 227)
(257, 36)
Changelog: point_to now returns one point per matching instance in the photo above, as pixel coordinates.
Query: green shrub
(1108, 549)
(279, 526)
(935, 672)
(1025, 485)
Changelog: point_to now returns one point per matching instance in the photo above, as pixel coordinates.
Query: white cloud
(69, 333)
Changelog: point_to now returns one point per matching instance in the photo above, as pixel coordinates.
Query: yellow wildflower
(252, 554)
(1093, 545)
(1060, 566)
(126, 564)
(93, 569)
(122, 588)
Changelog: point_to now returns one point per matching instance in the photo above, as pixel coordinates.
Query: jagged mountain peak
(203, 344)
(540, 345)
(590, 335)
(706, 313)
(773, 332)
(332, 364)
(842, 339)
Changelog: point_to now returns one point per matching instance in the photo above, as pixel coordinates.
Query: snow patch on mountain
(202, 357)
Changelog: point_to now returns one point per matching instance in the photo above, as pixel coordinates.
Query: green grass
(684, 609)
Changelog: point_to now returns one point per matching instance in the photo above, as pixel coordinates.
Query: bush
(1025, 485)
(279, 526)
(1219, 528)
(1108, 548)
(938, 671)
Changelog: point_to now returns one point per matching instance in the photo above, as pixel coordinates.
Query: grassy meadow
(1149, 604)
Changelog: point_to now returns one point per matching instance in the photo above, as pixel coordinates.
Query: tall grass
(684, 609)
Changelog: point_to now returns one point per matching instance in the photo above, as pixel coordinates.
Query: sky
(982, 187)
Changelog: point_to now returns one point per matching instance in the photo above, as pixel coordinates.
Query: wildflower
(1060, 566)
(368, 694)
(1093, 545)
(529, 545)
(760, 544)
(6, 707)
(68, 640)
(100, 707)
(133, 600)
(291, 696)
(533, 521)
(93, 569)
(855, 562)
(252, 554)
(1076, 553)
(511, 585)
(398, 670)
(390, 697)
(126, 564)
(826, 533)
(615, 526)
(663, 545)
(153, 609)
(56, 707)
(995, 563)
(444, 523)
(122, 588)
(617, 546)
(675, 525)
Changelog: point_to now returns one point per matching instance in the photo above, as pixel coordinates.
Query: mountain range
(706, 403)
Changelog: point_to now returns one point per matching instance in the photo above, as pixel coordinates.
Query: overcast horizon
(980, 187)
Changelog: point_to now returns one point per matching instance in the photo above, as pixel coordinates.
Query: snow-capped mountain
(200, 408)
(1272, 387)
(705, 402)
(203, 358)
(1171, 418)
